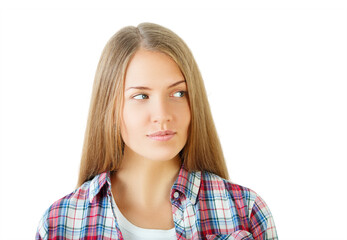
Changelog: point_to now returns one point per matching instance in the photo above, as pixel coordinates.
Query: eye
(179, 94)
(140, 96)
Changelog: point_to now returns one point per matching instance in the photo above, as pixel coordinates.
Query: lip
(162, 135)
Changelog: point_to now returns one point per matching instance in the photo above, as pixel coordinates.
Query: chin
(161, 157)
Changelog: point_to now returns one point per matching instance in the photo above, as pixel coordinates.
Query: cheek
(132, 119)
(184, 117)
(187, 113)
(189, 116)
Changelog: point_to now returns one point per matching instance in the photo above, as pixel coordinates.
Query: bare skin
(155, 101)
(142, 188)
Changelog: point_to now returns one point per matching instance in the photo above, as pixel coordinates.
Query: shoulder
(213, 182)
(240, 197)
(75, 198)
(64, 208)
(239, 204)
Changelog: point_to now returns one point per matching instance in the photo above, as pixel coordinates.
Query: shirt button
(176, 195)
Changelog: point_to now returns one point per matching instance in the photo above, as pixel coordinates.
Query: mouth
(162, 135)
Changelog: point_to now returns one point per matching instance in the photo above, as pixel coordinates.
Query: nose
(161, 112)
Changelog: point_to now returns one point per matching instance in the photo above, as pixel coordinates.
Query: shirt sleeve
(42, 229)
(261, 220)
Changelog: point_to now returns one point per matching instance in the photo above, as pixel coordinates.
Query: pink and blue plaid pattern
(204, 206)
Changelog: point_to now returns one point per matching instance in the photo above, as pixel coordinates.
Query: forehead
(152, 68)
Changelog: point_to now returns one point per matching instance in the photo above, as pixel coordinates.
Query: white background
(275, 74)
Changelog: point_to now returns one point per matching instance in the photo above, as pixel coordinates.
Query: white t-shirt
(132, 232)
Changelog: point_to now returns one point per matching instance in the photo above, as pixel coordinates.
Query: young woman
(152, 165)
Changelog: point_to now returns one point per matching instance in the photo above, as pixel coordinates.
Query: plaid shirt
(204, 206)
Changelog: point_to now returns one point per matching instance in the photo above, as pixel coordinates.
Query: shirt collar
(98, 183)
(188, 183)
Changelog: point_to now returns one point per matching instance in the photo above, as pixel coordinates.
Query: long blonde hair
(103, 144)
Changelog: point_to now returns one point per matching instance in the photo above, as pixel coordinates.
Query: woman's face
(156, 113)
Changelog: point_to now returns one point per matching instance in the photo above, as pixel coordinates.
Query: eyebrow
(147, 88)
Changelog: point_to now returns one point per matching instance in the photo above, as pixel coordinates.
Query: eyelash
(183, 92)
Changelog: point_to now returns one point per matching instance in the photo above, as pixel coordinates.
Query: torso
(135, 204)
(159, 218)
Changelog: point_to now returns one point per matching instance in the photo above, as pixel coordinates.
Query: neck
(144, 182)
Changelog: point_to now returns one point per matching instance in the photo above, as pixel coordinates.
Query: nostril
(162, 119)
